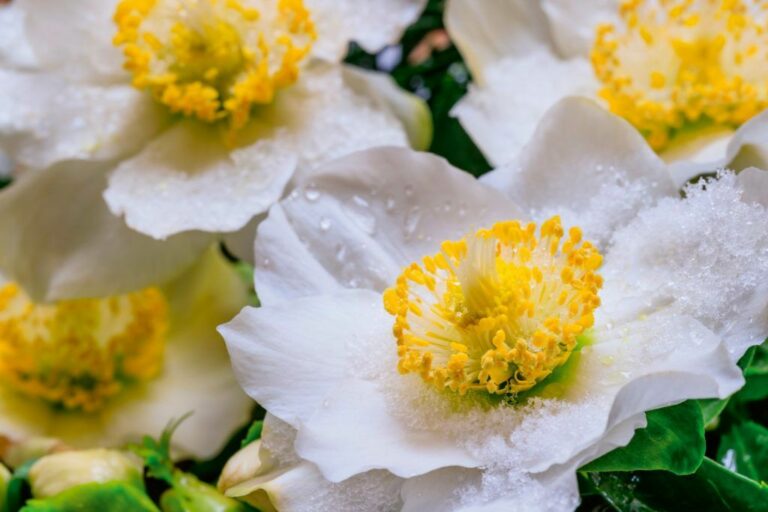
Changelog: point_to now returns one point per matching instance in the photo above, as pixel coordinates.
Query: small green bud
(189, 494)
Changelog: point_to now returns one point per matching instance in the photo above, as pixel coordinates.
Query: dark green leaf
(711, 488)
(672, 441)
(745, 450)
(18, 487)
(113, 496)
(756, 387)
(254, 433)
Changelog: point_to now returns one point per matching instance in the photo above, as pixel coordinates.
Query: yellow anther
(684, 62)
(212, 59)
(77, 354)
(501, 312)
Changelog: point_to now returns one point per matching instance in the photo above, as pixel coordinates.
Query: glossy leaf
(745, 450)
(712, 487)
(672, 441)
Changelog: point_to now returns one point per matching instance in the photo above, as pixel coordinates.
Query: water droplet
(354, 283)
(325, 223)
(294, 194)
(311, 192)
(599, 168)
(411, 221)
(408, 190)
(390, 204)
(462, 209)
(341, 253)
(265, 262)
(360, 201)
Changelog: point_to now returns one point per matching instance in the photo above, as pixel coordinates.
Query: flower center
(76, 354)
(681, 62)
(213, 59)
(498, 310)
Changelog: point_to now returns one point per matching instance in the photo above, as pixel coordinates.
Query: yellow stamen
(678, 62)
(76, 354)
(213, 59)
(500, 311)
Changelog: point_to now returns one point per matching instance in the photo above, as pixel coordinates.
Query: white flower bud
(242, 466)
(55, 473)
(15, 453)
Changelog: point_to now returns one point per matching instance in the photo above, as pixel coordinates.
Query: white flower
(201, 110)
(687, 75)
(683, 292)
(107, 371)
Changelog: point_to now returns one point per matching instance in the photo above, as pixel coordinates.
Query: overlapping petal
(61, 241)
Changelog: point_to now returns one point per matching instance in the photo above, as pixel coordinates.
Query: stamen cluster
(77, 354)
(684, 61)
(213, 59)
(497, 311)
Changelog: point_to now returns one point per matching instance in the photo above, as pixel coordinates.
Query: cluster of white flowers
(425, 340)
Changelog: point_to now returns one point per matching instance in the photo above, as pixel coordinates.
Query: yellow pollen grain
(707, 61)
(501, 313)
(77, 354)
(213, 60)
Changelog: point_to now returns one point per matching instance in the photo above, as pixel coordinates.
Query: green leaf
(18, 487)
(756, 387)
(672, 441)
(712, 487)
(745, 450)
(254, 433)
(112, 496)
(157, 454)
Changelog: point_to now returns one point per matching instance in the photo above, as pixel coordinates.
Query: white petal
(501, 115)
(190, 179)
(659, 360)
(749, 146)
(705, 151)
(196, 378)
(411, 110)
(339, 438)
(60, 31)
(706, 256)
(289, 357)
(357, 221)
(44, 119)
(371, 23)
(489, 31)
(573, 25)
(306, 370)
(463, 490)
(754, 183)
(60, 240)
(15, 50)
(588, 166)
(697, 151)
(302, 488)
